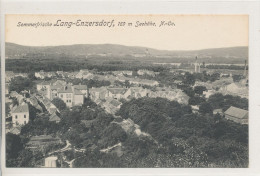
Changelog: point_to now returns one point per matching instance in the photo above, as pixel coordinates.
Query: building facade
(20, 115)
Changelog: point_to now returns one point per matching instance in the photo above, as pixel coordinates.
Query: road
(67, 147)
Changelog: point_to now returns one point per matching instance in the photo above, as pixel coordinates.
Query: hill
(236, 54)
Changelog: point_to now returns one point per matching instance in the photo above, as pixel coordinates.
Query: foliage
(13, 145)
(59, 103)
(19, 84)
(219, 101)
(39, 126)
(194, 136)
(199, 89)
(205, 108)
(189, 79)
(188, 90)
(196, 100)
(237, 78)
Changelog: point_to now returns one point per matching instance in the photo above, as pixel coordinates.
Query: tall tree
(59, 103)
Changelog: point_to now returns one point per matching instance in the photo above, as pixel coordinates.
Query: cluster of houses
(107, 97)
(71, 94)
(147, 72)
(121, 76)
(20, 112)
(113, 95)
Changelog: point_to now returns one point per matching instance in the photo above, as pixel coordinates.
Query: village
(120, 87)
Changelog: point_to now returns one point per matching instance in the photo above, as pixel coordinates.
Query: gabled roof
(237, 112)
(54, 117)
(81, 87)
(117, 90)
(78, 92)
(99, 89)
(22, 109)
(66, 89)
(113, 102)
(15, 130)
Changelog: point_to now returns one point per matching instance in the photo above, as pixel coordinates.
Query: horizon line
(126, 46)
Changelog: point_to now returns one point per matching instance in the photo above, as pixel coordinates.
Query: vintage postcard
(129, 91)
(126, 91)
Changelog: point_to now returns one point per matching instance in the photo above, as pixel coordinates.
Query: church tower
(197, 65)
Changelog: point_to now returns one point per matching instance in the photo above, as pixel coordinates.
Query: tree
(199, 89)
(196, 100)
(205, 108)
(59, 103)
(189, 91)
(237, 78)
(13, 145)
(215, 76)
(19, 84)
(127, 83)
(189, 79)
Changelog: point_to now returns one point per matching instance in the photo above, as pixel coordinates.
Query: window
(24, 122)
(61, 95)
(16, 117)
(24, 116)
(70, 101)
(67, 101)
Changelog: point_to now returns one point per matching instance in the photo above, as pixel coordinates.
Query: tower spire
(245, 69)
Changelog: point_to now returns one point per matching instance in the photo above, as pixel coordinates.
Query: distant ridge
(239, 53)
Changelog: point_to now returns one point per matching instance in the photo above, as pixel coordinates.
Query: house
(122, 73)
(20, 115)
(51, 161)
(84, 74)
(71, 75)
(172, 95)
(146, 72)
(42, 74)
(236, 89)
(78, 97)
(61, 74)
(54, 118)
(237, 115)
(82, 88)
(218, 111)
(34, 102)
(97, 93)
(136, 92)
(115, 92)
(71, 94)
(47, 104)
(138, 81)
(111, 105)
(66, 94)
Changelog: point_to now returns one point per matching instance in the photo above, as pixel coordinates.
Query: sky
(186, 32)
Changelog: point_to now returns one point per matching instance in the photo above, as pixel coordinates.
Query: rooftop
(21, 108)
(237, 112)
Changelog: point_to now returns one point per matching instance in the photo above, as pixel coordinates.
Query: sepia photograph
(126, 91)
